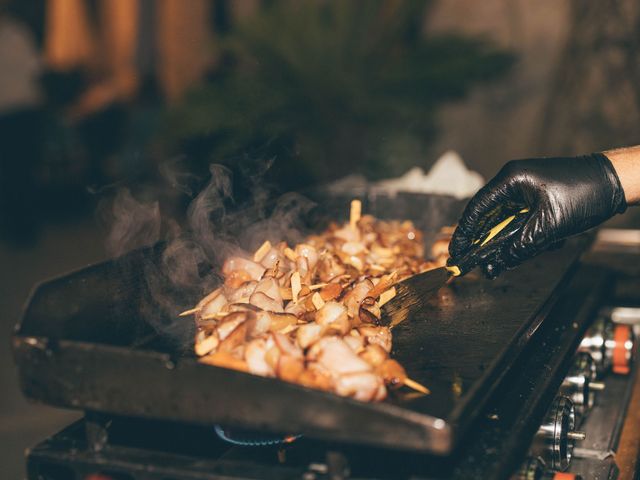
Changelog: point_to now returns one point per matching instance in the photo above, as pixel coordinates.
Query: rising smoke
(191, 246)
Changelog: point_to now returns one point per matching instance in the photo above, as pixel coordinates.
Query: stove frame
(493, 448)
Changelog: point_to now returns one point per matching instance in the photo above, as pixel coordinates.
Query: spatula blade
(412, 292)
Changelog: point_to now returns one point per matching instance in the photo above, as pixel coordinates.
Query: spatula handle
(490, 242)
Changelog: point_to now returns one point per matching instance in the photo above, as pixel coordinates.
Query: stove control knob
(556, 436)
(580, 384)
(610, 345)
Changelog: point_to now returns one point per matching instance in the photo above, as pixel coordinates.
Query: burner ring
(253, 439)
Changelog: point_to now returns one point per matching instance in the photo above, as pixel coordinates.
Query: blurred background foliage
(286, 94)
(326, 89)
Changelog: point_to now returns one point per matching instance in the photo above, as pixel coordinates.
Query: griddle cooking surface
(84, 343)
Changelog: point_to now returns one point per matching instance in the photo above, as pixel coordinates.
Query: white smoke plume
(193, 245)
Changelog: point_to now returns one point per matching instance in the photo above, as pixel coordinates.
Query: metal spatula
(491, 241)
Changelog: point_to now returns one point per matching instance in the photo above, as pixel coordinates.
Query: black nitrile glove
(565, 196)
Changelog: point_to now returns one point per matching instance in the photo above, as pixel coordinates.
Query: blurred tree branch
(330, 88)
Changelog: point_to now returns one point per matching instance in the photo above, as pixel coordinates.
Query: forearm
(626, 162)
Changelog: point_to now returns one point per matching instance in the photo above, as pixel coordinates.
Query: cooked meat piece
(311, 313)
(265, 302)
(363, 386)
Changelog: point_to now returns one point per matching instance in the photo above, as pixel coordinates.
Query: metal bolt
(576, 435)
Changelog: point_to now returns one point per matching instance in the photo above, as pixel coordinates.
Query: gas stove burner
(245, 438)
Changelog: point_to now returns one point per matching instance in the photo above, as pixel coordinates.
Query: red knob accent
(621, 356)
(564, 476)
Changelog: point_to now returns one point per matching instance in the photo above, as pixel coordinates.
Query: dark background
(101, 95)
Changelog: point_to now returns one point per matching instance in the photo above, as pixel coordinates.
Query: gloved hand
(565, 196)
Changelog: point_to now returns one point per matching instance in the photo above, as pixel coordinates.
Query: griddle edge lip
(440, 439)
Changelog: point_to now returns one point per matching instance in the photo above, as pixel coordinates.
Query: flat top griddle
(86, 341)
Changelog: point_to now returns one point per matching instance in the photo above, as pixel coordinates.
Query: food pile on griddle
(311, 313)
